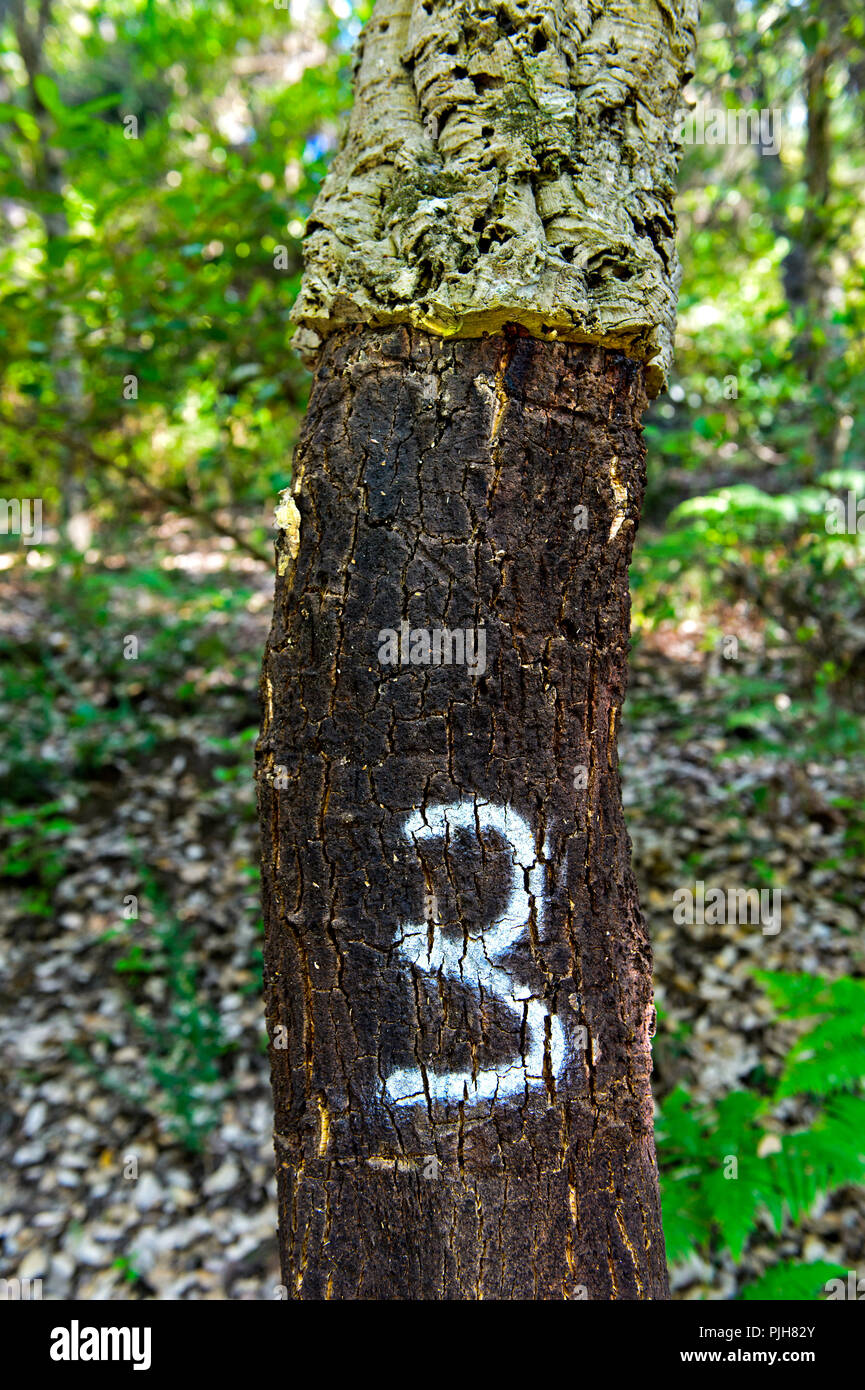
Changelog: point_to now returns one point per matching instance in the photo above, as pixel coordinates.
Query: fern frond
(789, 1279)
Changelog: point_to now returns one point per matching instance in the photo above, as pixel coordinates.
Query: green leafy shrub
(725, 1164)
(34, 853)
(183, 1043)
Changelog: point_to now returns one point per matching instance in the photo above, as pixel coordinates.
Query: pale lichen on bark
(508, 162)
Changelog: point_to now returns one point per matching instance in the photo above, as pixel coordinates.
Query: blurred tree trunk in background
(30, 22)
(457, 971)
(815, 344)
(806, 270)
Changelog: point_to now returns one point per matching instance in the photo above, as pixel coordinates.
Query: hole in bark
(484, 81)
(657, 230)
(604, 269)
(539, 41)
(490, 240)
(444, 116)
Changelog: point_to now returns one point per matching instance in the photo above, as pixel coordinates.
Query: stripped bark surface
(459, 1000)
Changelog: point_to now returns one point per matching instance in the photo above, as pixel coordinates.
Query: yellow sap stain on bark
(620, 498)
(500, 401)
(629, 1247)
(324, 1128)
(287, 518)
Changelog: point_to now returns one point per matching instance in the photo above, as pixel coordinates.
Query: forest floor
(136, 1142)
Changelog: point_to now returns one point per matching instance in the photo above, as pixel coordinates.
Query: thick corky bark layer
(508, 161)
(457, 972)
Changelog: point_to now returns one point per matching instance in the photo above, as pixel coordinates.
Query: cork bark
(508, 162)
(457, 972)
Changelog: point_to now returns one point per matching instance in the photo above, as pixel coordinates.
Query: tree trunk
(457, 972)
(455, 950)
(30, 24)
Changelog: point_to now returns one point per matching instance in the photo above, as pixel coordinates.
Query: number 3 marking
(472, 962)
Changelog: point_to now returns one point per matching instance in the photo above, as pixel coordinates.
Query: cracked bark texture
(439, 482)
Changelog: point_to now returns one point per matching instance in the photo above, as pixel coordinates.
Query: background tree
(458, 974)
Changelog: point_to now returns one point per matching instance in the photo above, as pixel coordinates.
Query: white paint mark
(471, 962)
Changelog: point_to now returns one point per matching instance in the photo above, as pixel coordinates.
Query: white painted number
(473, 962)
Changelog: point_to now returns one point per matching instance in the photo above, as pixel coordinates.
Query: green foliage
(34, 853)
(127, 1269)
(762, 428)
(830, 1056)
(726, 1164)
(191, 145)
(74, 688)
(182, 1041)
(239, 748)
(789, 1280)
